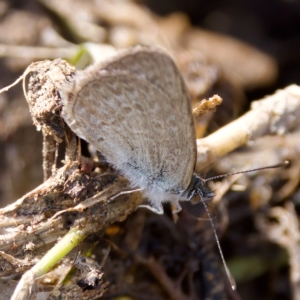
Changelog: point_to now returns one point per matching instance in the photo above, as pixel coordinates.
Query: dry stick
(285, 232)
(109, 212)
(45, 79)
(276, 114)
(35, 53)
(50, 148)
(206, 106)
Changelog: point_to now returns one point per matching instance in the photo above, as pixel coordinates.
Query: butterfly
(135, 109)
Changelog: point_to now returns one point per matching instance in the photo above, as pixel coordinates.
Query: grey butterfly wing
(133, 121)
(152, 64)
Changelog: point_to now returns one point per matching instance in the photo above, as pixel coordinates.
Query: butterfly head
(198, 187)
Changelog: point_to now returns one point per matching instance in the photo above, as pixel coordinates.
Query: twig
(275, 114)
(35, 53)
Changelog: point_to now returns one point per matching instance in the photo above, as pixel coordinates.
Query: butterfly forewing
(129, 109)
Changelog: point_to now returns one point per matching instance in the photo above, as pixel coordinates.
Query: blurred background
(241, 50)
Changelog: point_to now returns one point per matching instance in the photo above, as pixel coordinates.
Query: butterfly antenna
(281, 165)
(229, 275)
